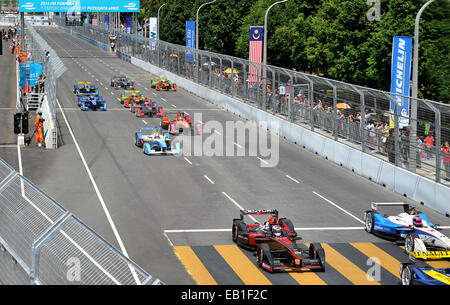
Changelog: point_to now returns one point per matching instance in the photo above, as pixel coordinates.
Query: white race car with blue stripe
(423, 238)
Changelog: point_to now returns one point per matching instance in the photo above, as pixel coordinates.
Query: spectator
(429, 142)
(446, 159)
(419, 152)
(390, 146)
(405, 142)
(371, 133)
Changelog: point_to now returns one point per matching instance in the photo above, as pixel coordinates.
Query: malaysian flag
(256, 49)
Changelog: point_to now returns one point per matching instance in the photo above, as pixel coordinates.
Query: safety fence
(40, 52)
(357, 116)
(43, 243)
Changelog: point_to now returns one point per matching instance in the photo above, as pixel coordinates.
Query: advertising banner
(34, 70)
(153, 27)
(129, 24)
(106, 21)
(400, 78)
(88, 6)
(190, 39)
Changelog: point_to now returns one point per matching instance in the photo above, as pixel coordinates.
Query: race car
(166, 85)
(275, 243)
(148, 108)
(153, 141)
(412, 275)
(92, 102)
(121, 81)
(177, 123)
(134, 102)
(410, 226)
(156, 80)
(127, 94)
(85, 88)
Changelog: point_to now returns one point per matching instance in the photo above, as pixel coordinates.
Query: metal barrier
(53, 68)
(45, 244)
(326, 106)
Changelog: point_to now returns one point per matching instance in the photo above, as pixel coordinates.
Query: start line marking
(296, 229)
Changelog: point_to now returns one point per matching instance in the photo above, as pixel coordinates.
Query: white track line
(296, 181)
(207, 178)
(335, 205)
(99, 195)
(237, 204)
(296, 229)
(173, 105)
(263, 161)
(215, 131)
(145, 122)
(240, 146)
(19, 155)
(187, 160)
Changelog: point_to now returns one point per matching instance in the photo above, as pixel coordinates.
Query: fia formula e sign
(86, 6)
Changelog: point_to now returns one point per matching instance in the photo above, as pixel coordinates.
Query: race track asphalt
(146, 196)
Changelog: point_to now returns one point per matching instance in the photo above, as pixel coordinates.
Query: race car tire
(410, 244)
(369, 222)
(238, 226)
(158, 88)
(104, 107)
(406, 275)
(316, 252)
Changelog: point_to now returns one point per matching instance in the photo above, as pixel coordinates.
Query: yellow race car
(124, 96)
(156, 80)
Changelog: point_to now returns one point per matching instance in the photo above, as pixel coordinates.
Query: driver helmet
(39, 111)
(417, 221)
(276, 230)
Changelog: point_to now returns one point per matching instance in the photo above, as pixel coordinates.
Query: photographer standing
(39, 124)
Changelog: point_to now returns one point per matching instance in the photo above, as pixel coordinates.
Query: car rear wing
(259, 212)
(150, 128)
(132, 92)
(84, 83)
(374, 205)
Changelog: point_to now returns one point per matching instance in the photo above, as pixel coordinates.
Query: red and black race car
(175, 122)
(275, 243)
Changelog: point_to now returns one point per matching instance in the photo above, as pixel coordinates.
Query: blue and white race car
(154, 141)
(412, 275)
(92, 102)
(85, 88)
(412, 226)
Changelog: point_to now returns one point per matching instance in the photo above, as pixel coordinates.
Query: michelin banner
(88, 6)
(400, 79)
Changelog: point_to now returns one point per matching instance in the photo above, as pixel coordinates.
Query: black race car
(275, 243)
(121, 81)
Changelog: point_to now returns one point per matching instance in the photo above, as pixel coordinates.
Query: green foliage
(332, 38)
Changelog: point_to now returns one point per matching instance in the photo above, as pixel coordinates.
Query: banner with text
(400, 79)
(190, 39)
(88, 6)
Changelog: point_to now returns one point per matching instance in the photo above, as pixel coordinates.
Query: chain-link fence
(351, 114)
(43, 243)
(40, 52)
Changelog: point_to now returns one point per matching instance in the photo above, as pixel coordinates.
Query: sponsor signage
(88, 6)
(400, 79)
(34, 70)
(430, 254)
(190, 39)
